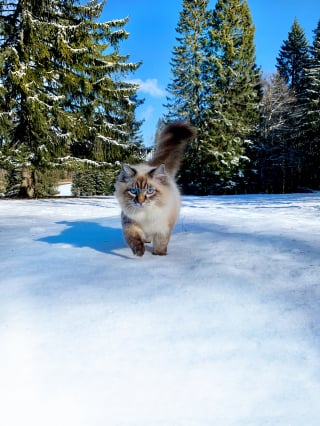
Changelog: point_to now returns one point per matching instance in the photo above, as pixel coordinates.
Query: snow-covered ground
(224, 331)
(64, 190)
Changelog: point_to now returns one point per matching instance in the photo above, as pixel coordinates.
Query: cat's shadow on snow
(104, 239)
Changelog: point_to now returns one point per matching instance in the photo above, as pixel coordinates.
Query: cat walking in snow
(148, 193)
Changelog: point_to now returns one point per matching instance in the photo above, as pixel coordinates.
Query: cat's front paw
(138, 248)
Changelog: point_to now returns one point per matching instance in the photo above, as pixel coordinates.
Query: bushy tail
(171, 145)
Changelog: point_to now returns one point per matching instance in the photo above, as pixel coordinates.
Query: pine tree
(187, 88)
(301, 72)
(64, 98)
(233, 85)
(216, 87)
(293, 59)
(312, 116)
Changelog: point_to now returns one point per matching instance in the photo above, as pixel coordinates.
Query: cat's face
(141, 186)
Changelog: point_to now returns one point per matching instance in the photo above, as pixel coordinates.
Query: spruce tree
(233, 94)
(293, 59)
(64, 98)
(312, 116)
(300, 73)
(216, 87)
(187, 88)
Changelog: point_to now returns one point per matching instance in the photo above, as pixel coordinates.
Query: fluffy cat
(148, 194)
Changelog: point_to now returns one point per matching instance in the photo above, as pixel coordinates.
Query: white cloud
(149, 86)
(147, 113)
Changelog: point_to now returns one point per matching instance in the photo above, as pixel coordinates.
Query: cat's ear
(126, 172)
(159, 173)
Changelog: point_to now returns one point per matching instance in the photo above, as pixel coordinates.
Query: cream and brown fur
(148, 194)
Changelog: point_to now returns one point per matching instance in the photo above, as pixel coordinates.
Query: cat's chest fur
(154, 218)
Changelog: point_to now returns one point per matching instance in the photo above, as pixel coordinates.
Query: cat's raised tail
(171, 145)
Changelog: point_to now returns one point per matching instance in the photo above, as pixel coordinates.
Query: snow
(223, 331)
(64, 190)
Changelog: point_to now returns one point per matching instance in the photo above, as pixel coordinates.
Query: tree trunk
(27, 187)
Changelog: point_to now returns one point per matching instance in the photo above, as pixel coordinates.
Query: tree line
(66, 103)
(256, 133)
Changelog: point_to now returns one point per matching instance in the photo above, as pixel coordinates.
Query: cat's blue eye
(150, 191)
(133, 191)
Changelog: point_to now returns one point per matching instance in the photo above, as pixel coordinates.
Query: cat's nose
(141, 199)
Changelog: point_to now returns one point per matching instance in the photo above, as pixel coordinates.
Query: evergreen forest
(68, 108)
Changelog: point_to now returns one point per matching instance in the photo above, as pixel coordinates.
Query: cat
(148, 193)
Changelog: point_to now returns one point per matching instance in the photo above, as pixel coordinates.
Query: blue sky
(152, 37)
